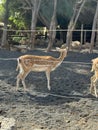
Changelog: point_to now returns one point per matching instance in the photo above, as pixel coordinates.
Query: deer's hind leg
(92, 84)
(21, 77)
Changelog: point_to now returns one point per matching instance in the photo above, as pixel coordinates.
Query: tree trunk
(73, 21)
(35, 9)
(4, 36)
(97, 34)
(43, 20)
(52, 30)
(84, 37)
(93, 29)
(81, 36)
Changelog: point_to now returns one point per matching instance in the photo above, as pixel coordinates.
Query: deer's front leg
(21, 77)
(48, 79)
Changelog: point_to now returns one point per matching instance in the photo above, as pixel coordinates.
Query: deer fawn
(28, 63)
(94, 78)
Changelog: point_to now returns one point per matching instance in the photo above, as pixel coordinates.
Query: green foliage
(2, 10)
(16, 18)
(17, 21)
(16, 39)
(20, 18)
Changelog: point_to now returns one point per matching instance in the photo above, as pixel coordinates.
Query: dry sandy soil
(68, 106)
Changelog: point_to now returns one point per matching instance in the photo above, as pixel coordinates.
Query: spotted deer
(28, 63)
(94, 78)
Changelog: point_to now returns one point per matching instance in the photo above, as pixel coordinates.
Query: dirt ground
(68, 106)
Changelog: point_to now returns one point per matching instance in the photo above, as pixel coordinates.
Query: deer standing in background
(94, 78)
(28, 63)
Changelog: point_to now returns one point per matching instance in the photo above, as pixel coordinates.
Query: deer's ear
(66, 48)
(57, 48)
(92, 60)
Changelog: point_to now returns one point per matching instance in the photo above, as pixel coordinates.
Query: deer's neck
(60, 59)
(62, 56)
